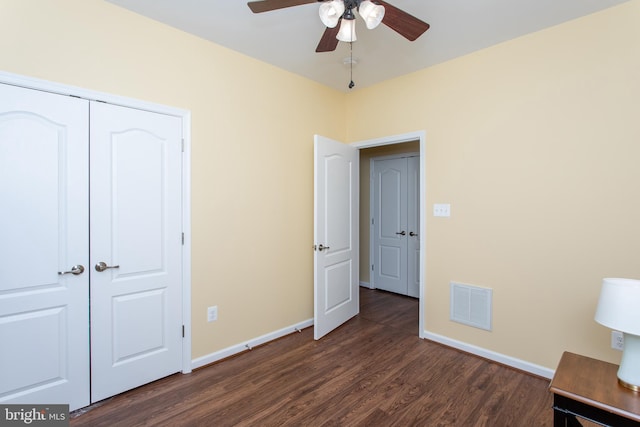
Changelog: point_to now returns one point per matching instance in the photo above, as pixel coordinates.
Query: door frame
(399, 139)
(185, 115)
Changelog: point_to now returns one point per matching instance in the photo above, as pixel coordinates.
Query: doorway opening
(397, 144)
(389, 215)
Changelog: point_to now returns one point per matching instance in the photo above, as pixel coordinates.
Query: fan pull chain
(351, 83)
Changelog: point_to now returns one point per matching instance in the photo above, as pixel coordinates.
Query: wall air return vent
(471, 305)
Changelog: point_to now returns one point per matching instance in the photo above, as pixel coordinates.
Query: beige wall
(535, 143)
(252, 178)
(365, 200)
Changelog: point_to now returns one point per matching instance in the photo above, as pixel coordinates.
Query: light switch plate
(442, 209)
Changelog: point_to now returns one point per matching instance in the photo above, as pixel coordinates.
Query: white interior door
(336, 206)
(390, 225)
(136, 327)
(44, 312)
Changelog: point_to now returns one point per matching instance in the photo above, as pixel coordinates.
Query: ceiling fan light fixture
(371, 13)
(347, 31)
(330, 12)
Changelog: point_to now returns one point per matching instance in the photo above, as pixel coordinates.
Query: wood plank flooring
(372, 371)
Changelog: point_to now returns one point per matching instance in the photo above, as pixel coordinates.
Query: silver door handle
(411, 233)
(76, 269)
(102, 266)
(402, 233)
(321, 247)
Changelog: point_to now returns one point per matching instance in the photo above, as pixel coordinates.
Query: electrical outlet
(212, 313)
(617, 340)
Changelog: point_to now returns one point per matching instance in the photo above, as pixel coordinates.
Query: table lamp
(619, 309)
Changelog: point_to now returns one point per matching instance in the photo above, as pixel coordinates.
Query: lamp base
(629, 386)
(629, 371)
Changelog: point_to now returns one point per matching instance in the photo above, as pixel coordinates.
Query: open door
(335, 260)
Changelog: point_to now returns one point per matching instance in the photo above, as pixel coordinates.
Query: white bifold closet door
(84, 183)
(44, 233)
(396, 221)
(136, 236)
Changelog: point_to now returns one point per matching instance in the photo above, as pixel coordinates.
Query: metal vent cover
(471, 305)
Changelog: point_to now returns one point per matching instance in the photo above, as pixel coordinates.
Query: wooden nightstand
(588, 388)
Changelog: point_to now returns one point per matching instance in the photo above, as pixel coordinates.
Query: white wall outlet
(212, 313)
(617, 340)
(442, 209)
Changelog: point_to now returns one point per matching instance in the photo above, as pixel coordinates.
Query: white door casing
(336, 207)
(136, 327)
(44, 315)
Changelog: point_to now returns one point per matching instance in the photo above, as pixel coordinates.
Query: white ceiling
(287, 38)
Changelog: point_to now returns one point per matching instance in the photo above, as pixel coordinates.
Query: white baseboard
(491, 355)
(239, 348)
(366, 285)
(441, 339)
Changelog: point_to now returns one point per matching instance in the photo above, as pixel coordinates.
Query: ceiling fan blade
(328, 41)
(267, 5)
(408, 26)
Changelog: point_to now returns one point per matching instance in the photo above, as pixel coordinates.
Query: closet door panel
(390, 238)
(136, 264)
(44, 315)
(413, 220)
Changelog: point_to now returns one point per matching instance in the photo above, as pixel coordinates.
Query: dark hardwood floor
(372, 371)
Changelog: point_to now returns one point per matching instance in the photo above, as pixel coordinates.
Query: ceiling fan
(398, 20)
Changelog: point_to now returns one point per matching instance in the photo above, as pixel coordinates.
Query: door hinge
(183, 239)
(372, 267)
(183, 145)
(182, 331)
(372, 221)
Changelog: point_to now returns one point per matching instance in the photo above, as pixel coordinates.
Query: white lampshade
(619, 309)
(330, 12)
(619, 305)
(371, 13)
(347, 31)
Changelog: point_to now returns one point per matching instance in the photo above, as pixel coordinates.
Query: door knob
(402, 233)
(321, 247)
(102, 266)
(412, 234)
(76, 269)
